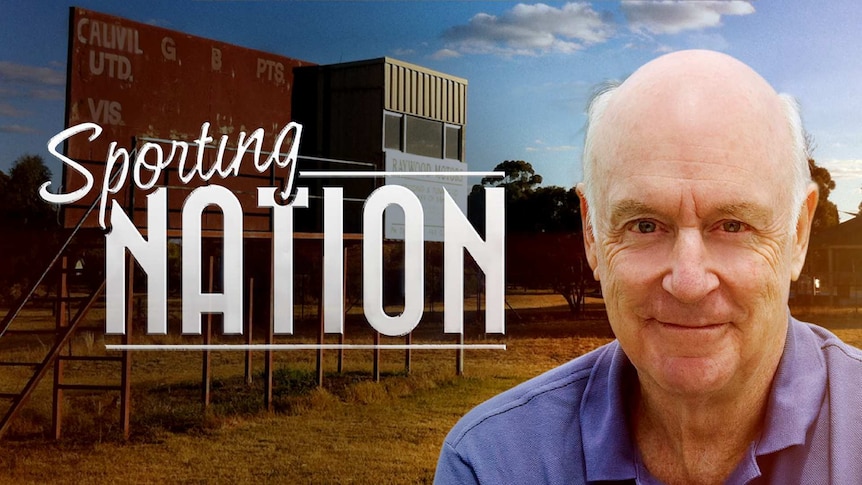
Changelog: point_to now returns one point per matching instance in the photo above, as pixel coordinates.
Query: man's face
(694, 243)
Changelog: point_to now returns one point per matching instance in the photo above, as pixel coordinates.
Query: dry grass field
(352, 430)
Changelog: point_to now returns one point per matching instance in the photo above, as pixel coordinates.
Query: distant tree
(20, 203)
(4, 199)
(29, 226)
(520, 179)
(826, 214)
(552, 209)
(529, 207)
(544, 247)
(549, 260)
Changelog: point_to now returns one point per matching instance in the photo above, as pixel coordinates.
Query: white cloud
(21, 81)
(562, 148)
(445, 54)
(847, 175)
(675, 16)
(10, 71)
(158, 22)
(557, 148)
(843, 169)
(18, 129)
(46, 93)
(703, 40)
(530, 30)
(403, 52)
(7, 109)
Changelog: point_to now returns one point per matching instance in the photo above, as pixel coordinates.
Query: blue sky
(530, 66)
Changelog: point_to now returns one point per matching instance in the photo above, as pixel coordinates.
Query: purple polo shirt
(569, 425)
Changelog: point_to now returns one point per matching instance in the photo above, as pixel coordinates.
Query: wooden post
(341, 353)
(407, 353)
(267, 354)
(479, 316)
(320, 340)
(248, 330)
(206, 376)
(376, 369)
(344, 299)
(459, 357)
(126, 360)
(61, 322)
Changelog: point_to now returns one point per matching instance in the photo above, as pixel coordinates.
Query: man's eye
(645, 227)
(732, 226)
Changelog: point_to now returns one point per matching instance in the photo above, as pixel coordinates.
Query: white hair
(799, 150)
(595, 113)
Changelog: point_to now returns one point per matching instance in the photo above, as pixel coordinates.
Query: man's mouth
(690, 325)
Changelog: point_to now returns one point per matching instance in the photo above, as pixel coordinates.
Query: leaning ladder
(62, 336)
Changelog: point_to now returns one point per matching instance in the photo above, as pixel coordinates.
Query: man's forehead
(725, 160)
(691, 119)
(705, 94)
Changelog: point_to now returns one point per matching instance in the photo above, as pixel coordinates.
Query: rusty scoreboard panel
(141, 83)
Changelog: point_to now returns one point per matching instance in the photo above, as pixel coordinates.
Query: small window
(453, 142)
(424, 137)
(392, 134)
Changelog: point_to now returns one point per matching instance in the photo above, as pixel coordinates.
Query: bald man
(697, 205)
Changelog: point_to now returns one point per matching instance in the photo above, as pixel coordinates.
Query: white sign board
(428, 188)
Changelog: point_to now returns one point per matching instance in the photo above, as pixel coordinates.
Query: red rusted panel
(138, 80)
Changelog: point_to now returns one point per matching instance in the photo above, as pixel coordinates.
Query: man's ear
(803, 230)
(589, 234)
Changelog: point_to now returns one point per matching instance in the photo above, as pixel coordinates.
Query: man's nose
(690, 276)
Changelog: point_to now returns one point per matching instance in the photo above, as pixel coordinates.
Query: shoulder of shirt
(841, 359)
(568, 380)
(829, 343)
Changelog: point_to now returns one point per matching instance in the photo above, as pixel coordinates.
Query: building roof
(848, 233)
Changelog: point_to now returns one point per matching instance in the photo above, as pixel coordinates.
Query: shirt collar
(798, 390)
(609, 452)
(797, 393)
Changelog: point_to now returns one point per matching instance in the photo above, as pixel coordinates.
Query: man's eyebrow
(627, 209)
(744, 211)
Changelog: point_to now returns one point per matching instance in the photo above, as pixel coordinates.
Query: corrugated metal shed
(418, 91)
